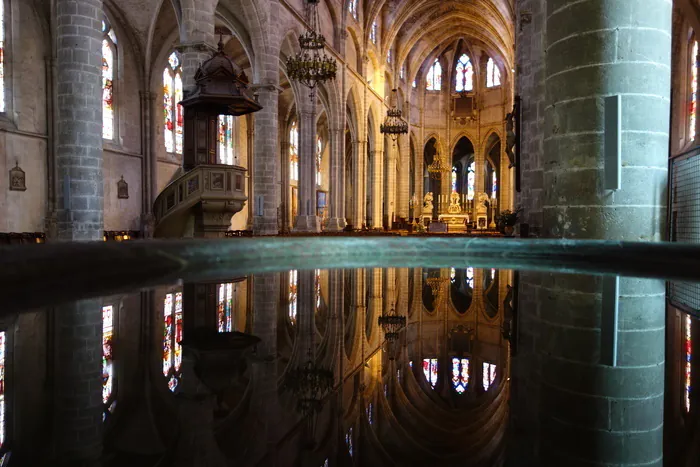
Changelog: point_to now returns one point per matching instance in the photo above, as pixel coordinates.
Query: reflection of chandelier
(310, 384)
(393, 124)
(392, 324)
(311, 65)
(438, 167)
(436, 284)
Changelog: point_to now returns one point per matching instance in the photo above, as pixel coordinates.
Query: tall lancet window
(294, 152)
(460, 374)
(172, 111)
(373, 32)
(693, 110)
(107, 356)
(172, 336)
(2, 56)
(434, 78)
(493, 74)
(471, 181)
(688, 361)
(464, 74)
(226, 139)
(454, 180)
(293, 295)
(494, 185)
(319, 160)
(430, 370)
(109, 48)
(224, 309)
(488, 375)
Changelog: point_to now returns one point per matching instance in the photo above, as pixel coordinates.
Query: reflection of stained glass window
(3, 428)
(172, 336)
(388, 57)
(402, 72)
(471, 181)
(319, 159)
(317, 288)
(469, 279)
(226, 139)
(434, 78)
(108, 49)
(352, 8)
(294, 152)
(460, 374)
(430, 370)
(688, 359)
(489, 375)
(493, 74)
(692, 114)
(107, 357)
(414, 84)
(224, 309)
(464, 74)
(369, 413)
(293, 284)
(2, 60)
(454, 180)
(348, 441)
(172, 111)
(453, 275)
(493, 273)
(373, 33)
(325, 463)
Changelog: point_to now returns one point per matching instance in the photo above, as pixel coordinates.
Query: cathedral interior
(324, 233)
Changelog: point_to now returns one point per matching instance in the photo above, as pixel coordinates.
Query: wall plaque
(122, 189)
(17, 179)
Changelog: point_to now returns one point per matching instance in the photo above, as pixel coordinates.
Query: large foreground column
(590, 413)
(266, 160)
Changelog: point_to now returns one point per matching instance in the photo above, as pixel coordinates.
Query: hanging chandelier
(438, 167)
(310, 384)
(311, 66)
(393, 124)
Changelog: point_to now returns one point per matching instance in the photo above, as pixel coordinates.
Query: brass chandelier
(438, 167)
(311, 66)
(393, 124)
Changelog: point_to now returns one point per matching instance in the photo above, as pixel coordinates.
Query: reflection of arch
(491, 292)
(462, 289)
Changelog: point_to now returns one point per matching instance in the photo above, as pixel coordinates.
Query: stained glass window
(494, 185)
(319, 159)
(294, 152)
(464, 74)
(3, 427)
(493, 74)
(430, 370)
(369, 413)
(172, 336)
(348, 441)
(107, 355)
(488, 375)
(373, 33)
(688, 359)
(471, 180)
(352, 8)
(172, 111)
(325, 463)
(226, 139)
(693, 92)
(434, 78)
(460, 374)
(224, 309)
(454, 179)
(293, 289)
(317, 288)
(109, 41)
(2, 58)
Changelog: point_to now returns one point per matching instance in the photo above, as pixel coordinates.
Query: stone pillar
(377, 183)
(403, 196)
(197, 38)
(336, 220)
(590, 413)
(306, 220)
(78, 396)
(358, 186)
(266, 160)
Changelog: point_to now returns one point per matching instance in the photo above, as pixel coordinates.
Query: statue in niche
(428, 203)
(510, 139)
(18, 179)
(454, 207)
(122, 189)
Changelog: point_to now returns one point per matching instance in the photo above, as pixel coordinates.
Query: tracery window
(352, 8)
(430, 370)
(317, 288)
(224, 310)
(293, 295)
(107, 356)
(488, 375)
(460, 374)
(493, 74)
(693, 110)
(294, 152)
(172, 336)
(109, 46)
(434, 78)
(688, 360)
(226, 139)
(464, 74)
(172, 111)
(319, 159)
(471, 180)
(2, 57)
(373, 32)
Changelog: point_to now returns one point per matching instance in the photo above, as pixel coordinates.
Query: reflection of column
(375, 303)
(266, 162)
(336, 220)
(306, 220)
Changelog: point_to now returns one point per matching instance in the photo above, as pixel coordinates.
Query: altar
(455, 219)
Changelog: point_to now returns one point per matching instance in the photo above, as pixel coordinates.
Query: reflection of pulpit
(481, 208)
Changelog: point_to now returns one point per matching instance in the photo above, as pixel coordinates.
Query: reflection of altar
(455, 222)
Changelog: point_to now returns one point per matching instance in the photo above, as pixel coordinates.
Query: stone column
(404, 154)
(377, 183)
(306, 220)
(266, 160)
(197, 38)
(78, 396)
(360, 155)
(336, 220)
(590, 413)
